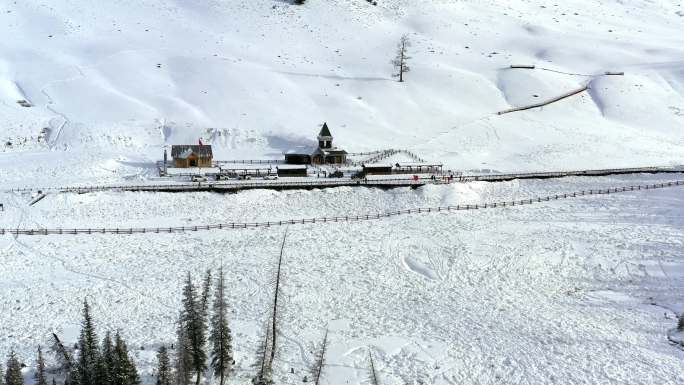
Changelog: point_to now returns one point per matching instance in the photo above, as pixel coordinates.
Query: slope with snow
(119, 80)
(581, 291)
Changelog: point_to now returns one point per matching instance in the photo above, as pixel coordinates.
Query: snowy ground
(576, 291)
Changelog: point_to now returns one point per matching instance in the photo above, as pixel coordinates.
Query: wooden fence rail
(330, 182)
(334, 219)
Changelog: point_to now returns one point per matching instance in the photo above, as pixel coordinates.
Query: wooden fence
(334, 182)
(546, 102)
(335, 219)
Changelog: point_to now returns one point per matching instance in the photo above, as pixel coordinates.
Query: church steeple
(325, 138)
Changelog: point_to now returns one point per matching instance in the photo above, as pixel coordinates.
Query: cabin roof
(291, 167)
(330, 151)
(418, 164)
(301, 150)
(377, 165)
(182, 151)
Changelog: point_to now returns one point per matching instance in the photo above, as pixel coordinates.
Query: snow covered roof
(377, 165)
(182, 151)
(330, 151)
(291, 167)
(418, 164)
(304, 150)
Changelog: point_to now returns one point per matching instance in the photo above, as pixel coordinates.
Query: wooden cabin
(192, 155)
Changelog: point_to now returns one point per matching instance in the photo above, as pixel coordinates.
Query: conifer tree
(164, 376)
(206, 290)
(107, 360)
(183, 361)
(2, 376)
(13, 375)
(680, 323)
(124, 371)
(195, 324)
(40, 378)
(89, 356)
(221, 339)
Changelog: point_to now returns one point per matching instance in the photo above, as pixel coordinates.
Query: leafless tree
(317, 368)
(267, 349)
(276, 292)
(400, 61)
(373, 373)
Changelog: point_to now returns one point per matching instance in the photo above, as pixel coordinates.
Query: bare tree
(373, 373)
(276, 291)
(63, 356)
(263, 363)
(317, 368)
(400, 61)
(267, 349)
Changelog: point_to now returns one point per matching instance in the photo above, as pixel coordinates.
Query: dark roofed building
(192, 155)
(325, 153)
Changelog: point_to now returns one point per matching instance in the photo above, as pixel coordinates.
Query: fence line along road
(334, 182)
(336, 219)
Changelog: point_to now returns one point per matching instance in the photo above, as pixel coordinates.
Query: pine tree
(206, 290)
(123, 371)
(40, 369)
(107, 360)
(164, 376)
(195, 324)
(89, 356)
(2, 376)
(221, 340)
(402, 57)
(183, 361)
(680, 323)
(13, 375)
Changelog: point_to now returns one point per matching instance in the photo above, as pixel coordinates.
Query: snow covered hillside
(114, 81)
(580, 291)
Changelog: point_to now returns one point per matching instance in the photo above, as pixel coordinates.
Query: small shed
(377, 169)
(292, 170)
(192, 155)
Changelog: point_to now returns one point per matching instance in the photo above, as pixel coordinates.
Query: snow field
(572, 291)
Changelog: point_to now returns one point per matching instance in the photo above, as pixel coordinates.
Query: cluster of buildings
(201, 155)
(295, 164)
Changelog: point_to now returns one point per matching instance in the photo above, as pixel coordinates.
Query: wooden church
(325, 153)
